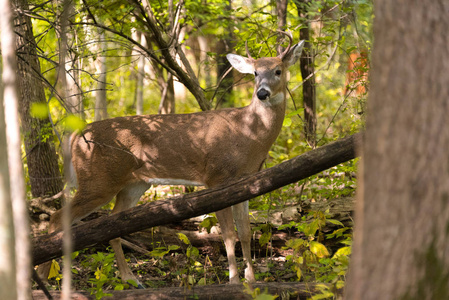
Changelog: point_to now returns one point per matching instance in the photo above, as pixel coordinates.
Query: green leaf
(183, 238)
(340, 284)
(74, 123)
(159, 252)
(132, 282)
(265, 296)
(344, 251)
(287, 122)
(264, 238)
(318, 249)
(298, 273)
(295, 244)
(336, 222)
(192, 252)
(54, 269)
(39, 110)
(208, 223)
(173, 247)
(191, 279)
(323, 295)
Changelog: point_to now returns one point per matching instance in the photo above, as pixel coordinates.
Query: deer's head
(270, 72)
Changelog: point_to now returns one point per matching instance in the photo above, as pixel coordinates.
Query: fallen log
(340, 209)
(186, 206)
(295, 290)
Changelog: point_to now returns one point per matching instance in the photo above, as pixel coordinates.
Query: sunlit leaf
(344, 251)
(318, 249)
(335, 222)
(74, 123)
(54, 269)
(183, 238)
(39, 110)
(287, 122)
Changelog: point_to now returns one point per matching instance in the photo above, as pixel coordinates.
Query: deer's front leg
(226, 221)
(241, 216)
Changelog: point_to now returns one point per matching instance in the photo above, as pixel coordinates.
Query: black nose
(263, 94)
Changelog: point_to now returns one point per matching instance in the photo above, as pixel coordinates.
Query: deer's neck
(269, 114)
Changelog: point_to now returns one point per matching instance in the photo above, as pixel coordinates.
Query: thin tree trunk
(73, 100)
(140, 76)
(401, 246)
(204, 60)
(101, 105)
(167, 104)
(42, 160)
(8, 290)
(307, 71)
(15, 261)
(281, 9)
(225, 46)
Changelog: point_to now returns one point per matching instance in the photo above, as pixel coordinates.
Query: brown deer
(123, 157)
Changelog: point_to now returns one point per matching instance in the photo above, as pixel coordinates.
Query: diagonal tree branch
(187, 78)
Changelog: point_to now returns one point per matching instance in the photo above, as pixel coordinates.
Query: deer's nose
(263, 94)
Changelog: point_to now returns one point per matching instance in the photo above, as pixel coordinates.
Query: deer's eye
(278, 72)
(255, 73)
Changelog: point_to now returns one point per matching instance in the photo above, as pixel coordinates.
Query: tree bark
(101, 104)
(340, 209)
(225, 46)
(195, 204)
(15, 263)
(185, 74)
(401, 246)
(140, 76)
(281, 10)
(295, 290)
(42, 160)
(307, 71)
(8, 288)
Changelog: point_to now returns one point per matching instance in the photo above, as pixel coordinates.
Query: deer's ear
(242, 64)
(295, 52)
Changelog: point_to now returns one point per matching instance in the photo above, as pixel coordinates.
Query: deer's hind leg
(83, 203)
(126, 198)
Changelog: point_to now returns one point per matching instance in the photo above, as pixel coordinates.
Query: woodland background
(83, 61)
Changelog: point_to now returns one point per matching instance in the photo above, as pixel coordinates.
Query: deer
(123, 157)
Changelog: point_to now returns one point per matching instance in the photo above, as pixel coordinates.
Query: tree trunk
(140, 76)
(101, 104)
(225, 46)
(42, 160)
(199, 203)
(401, 247)
(15, 263)
(167, 104)
(281, 9)
(8, 289)
(307, 70)
(73, 96)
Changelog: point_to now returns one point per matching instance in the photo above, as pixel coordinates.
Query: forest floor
(182, 255)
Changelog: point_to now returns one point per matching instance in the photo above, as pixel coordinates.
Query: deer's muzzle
(263, 94)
